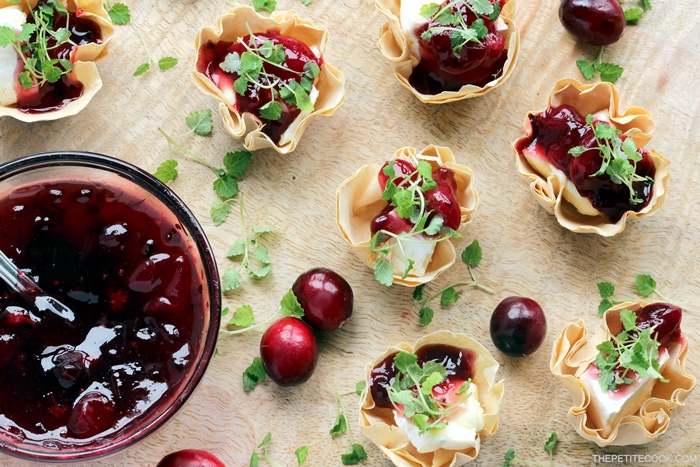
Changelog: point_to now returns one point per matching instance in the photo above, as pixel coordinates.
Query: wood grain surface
(525, 251)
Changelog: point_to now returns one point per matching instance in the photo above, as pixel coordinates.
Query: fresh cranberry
(389, 221)
(326, 298)
(400, 167)
(190, 458)
(665, 318)
(442, 200)
(289, 351)
(518, 326)
(597, 22)
(94, 413)
(445, 176)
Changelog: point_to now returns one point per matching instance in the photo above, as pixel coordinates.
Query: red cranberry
(445, 176)
(443, 201)
(289, 351)
(665, 317)
(92, 414)
(401, 167)
(518, 326)
(190, 458)
(597, 22)
(326, 298)
(389, 221)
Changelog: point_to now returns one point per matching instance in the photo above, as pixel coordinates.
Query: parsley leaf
(231, 280)
(606, 289)
(166, 171)
(290, 306)
(242, 317)
(646, 285)
(354, 456)
(118, 12)
(253, 374)
(268, 5)
(164, 63)
(200, 122)
(301, 453)
(471, 256)
(609, 72)
(550, 443)
(142, 68)
(426, 315)
(449, 296)
(167, 63)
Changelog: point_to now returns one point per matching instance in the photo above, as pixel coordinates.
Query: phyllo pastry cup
(652, 403)
(241, 21)
(554, 189)
(359, 201)
(378, 423)
(83, 58)
(401, 49)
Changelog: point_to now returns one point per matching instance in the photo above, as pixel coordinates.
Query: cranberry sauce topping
(559, 129)
(53, 96)
(666, 320)
(127, 271)
(458, 363)
(477, 63)
(211, 55)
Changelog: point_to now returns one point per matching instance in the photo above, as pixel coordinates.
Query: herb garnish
(406, 194)
(633, 349)
(609, 72)
(619, 157)
(634, 14)
(357, 451)
(250, 66)
(645, 284)
(549, 445)
(270, 5)
(32, 45)
(164, 63)
(118, 12)
(471, 256)
(412, 392)
(460, 32)
(301, 453)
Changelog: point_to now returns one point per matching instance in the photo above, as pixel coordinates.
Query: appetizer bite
(431, 405)
(586, 161)
(450, 50)
(47, 54)
(626, 382)
(269, 74)
(402, 217)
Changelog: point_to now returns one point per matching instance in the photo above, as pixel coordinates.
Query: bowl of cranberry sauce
(133, 267)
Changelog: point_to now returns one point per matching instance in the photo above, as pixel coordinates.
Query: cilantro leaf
(119, 14)
(219, 211)
(604, 306)
(633, 15)
(360, 387)
(253, 374)
(609, 72)
(289, 306)
(340, 426)
(167, 63)
(354, 456)
(231, 280)
(550, 443)
(237, 249)
(166, 171)
(418, 293)
(268, 5)
(242, 317)
(383, 271)
(472, 254)
(587, 69)
(646, 285)
(232, 63)
(226, 186)
(200, 121)
(271, 111)
(426, 315)
(301, 454)
(141, 69)
(306, 2)
(481, 7)
(449, 296)
(606, 289)
(236, 163)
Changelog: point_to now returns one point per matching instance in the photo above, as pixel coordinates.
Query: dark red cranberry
(190, 458)
(289, 351)
(400, 167)
(93, 413)
(518, 326)
(70, 368)
(597, 22)
(445, 176)
(665, 318)
(389, 221)
(442, 200)
(559, 129)
(326, 298)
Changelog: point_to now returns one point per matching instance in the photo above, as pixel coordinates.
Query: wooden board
(525, 251)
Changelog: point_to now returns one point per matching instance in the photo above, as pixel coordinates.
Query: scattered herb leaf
(360, 387)
(353, 457)
(357, 452)
(609, 72)
(253, 374)
(164, 63)
(301, 453)
(645, 284)
(166, 171)
(268, 5)
(200, 122)
(118, 12)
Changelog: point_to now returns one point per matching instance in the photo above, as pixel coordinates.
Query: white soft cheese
(461, 431)
(607, 408)
(417, 248)
(13, 17)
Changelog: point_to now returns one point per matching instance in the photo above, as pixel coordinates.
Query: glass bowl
(131, 263)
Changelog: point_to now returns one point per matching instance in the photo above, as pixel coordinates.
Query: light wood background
(525, 251)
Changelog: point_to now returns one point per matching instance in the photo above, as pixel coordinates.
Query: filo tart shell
(395, 45)
(238, 23)
(83, 58)
(549, 189)
(359, 201)
(573, 352)
(377, 423)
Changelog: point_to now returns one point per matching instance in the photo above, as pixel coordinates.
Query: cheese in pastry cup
(240, 21)
(359, 201)
(83, 58)
(572, 354)
(377, 423)
(552, 190)
(396, 45)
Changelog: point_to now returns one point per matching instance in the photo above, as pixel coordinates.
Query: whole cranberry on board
(518, 326)
(289, 351)
(190, 458)
(596, 22)
(325, 296)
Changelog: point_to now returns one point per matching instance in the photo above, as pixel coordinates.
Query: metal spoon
(30, 290)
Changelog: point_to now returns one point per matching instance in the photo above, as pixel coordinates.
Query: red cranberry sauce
(458, 363)
(127, 271)
(53, 96)
(477, 63)
(211, 55)
(556, 131)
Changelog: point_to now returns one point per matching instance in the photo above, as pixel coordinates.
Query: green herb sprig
(270, 5)
(406, 194)
(454, 23)
(619, 157)
(510, 459)
(251, 70)
(225, 185)
(32, 45)
(471, 256)
(301, 453)
(644, 283)
(609, 72)
(118, 12)
(164, 63)
(633, 349)
(357, 453)
(634, 14)
(412, 392)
